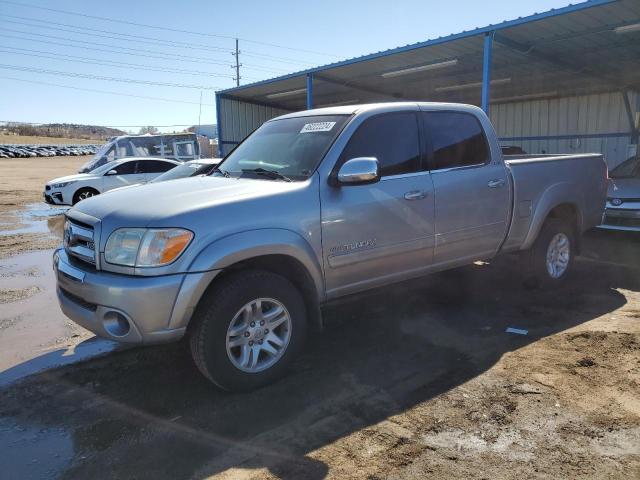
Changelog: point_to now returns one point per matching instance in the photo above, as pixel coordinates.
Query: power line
(109, 63)
(162, 56)
(113, 20)
(71, 87)
(115, 37)
(260, 68)
(91, 31)
(209, 60)
(109, 79)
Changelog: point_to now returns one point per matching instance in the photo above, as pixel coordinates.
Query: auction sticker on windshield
(317, 127)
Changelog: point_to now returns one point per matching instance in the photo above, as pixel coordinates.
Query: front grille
(79, 301)
(621, 222)
(79, 241)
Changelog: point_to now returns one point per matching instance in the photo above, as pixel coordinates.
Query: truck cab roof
(367, 107)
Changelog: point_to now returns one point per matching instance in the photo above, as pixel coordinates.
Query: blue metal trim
(435, 41)
(218, 125)
(486, 71)
(566, 137)
(309, 91)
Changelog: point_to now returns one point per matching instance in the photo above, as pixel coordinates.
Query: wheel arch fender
(557, 195)
(233, 249)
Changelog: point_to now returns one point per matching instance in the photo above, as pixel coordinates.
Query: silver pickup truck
(311, 207)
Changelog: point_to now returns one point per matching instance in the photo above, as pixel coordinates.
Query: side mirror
(111, 172)
(359, 171)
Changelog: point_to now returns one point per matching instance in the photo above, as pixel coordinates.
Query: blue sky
(34, 42)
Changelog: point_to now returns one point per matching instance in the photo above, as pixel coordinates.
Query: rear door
(471, 190)
(147, 170)
(375, 233)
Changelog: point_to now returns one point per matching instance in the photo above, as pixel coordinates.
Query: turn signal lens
(160, 247)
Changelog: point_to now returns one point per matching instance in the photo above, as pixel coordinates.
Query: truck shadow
(149, 413)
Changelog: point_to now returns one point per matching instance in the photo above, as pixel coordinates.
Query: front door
(376, 233)
(125, 174)
(471, 190)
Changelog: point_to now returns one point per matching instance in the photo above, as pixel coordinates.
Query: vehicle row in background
(25, 151)
(127, 172)
(176, 146)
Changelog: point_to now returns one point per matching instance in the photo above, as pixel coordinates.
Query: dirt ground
(22, 182)
(416, 381)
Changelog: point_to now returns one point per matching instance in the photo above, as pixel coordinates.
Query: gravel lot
(415, 381)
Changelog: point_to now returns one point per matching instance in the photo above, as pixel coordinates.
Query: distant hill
(66, 130)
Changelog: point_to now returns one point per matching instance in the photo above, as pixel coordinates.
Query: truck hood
(180, 203)
(72, 178)
(624, 188)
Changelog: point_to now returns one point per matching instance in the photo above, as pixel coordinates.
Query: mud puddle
(34, 333)
(36, 218)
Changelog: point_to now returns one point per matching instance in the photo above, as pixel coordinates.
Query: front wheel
(83, 194)
(550, 260)
(247, 330)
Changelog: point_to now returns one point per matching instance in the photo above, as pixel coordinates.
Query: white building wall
(580, 124)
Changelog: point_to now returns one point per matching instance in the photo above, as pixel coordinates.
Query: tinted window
(457, 139)
(126, 168)
(391, 138)
(154, 166)
(627, 169)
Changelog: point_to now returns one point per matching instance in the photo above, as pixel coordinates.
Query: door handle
(497, 183)
(415, 195)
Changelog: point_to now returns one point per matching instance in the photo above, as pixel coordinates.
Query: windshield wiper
(267, 173)
(224, 173)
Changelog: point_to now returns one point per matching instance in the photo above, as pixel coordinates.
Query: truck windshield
(628, 169)
(105, 153)
(291, 147)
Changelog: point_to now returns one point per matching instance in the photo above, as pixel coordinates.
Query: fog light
(116, 324)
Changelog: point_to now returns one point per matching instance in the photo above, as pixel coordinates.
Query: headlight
(63, 184)
(141, 247)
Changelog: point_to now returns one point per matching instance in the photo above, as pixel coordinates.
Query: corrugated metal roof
(567, 51)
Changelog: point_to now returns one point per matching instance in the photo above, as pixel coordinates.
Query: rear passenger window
(391, 138)
(457, 139)
(126, 168)
(154, 166)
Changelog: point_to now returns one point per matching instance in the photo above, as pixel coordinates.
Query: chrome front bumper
(124, 308)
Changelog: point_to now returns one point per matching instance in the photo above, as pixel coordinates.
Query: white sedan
(71, 189)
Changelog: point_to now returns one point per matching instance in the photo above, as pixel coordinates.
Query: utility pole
(238, 64)
(199, 112)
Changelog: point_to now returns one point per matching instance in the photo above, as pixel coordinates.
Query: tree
(150, 129)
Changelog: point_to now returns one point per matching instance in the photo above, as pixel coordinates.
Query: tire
(222, 307)
(84, 193)
(544, 272)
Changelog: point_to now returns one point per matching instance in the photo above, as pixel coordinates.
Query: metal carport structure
(566, 80)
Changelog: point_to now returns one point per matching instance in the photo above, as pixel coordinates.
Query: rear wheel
(83, 194)
(550, 260)
(248, 330)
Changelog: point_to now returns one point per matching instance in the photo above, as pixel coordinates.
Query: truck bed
(540, 182)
